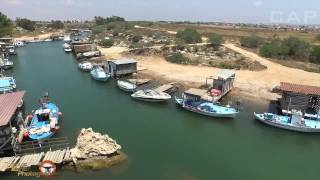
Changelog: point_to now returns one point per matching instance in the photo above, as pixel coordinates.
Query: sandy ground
(250, 83)
(41, 36)
(113, 52)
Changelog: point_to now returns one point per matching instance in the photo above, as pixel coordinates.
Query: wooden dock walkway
(17, 162)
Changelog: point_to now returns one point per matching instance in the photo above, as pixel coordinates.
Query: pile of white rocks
(91, 144)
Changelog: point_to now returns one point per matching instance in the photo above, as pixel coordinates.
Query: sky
(242, 11)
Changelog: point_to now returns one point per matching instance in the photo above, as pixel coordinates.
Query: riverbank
(249, 83)
(40, 36)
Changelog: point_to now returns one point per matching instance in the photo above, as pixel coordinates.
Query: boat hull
(286, 127)
(210, 114)
(149, 99)
(125, 88)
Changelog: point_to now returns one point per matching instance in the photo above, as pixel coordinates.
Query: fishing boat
(297, 121)
(19, 44)
(45, 120)
(65, 45)
(207, 108)
(67, 39)
(67, 50)
(99, 74)
(6, 64)
(48, 40)
(85, 66)
(7, 84)
(126, 86)
(151, 95)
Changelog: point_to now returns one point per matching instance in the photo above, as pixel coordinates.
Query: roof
(226, 73)
(196, 92)
(302, 89)
(124, 61)
(8, 106)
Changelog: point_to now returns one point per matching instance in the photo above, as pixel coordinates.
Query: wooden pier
(26, 161)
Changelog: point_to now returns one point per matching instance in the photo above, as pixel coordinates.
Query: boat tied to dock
(44, 121)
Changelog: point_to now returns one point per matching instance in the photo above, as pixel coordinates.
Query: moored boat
(6, 64)
(126, 86)
(45, 120)
(67, 50)
(207, 108)
(151, 96)
(294, 122)
(99, 74)
(85, 66)
(65, 45)
(7, 84)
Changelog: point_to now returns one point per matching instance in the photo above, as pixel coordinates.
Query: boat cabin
(123, 67)
(301, 98)
(222, 83)
(10, 120)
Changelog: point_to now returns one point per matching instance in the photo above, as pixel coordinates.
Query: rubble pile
(91, 144)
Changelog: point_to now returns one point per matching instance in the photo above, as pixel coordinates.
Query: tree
(6, 26)
(298, 48)
(101, 21)
(251, 41)
(189, 36)
(315, 54)
(216, 40)
(26, 24)
(56, 24)
(106, 43)
(275, 49)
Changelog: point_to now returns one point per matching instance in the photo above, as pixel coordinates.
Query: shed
(121, 67)
(82, 48)
(9, 104)
(300, 97)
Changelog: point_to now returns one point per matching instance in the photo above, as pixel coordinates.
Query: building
(222, 83)
(9, 119)
(299, 97)
(121, 67)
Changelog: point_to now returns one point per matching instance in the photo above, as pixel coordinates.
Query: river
(162, 141)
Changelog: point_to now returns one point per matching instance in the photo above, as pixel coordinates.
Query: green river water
(162, 141)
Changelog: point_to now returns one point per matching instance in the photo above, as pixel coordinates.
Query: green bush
(26, 24)
(177, 58)
(275, 49)
(216, 40)
(106, 43)
(251, 41)
(101, 21)
(315, 54)
(136, 38)
(189, 36)
(56, 24)
(298, 48)
(6, 26)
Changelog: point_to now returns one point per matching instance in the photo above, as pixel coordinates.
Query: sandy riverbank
(40, 36)
(251, 83)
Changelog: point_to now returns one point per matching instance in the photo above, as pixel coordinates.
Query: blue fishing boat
(7, 84)
(191, 100)
(296, 121)
(44, 122)
(99, 74)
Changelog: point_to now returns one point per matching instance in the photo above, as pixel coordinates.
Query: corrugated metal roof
(303, 89)
(8, 105)
(226, 73)
(124, 61)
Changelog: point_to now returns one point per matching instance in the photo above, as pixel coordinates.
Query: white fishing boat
(6, 64)
(65, 45)
(151, 95)
(7, 84)
(67, 50)
(67, 39)
(48, 40)
(126, 86)
(99, 74)
(19, 44)
(294, 122)
(85, 66)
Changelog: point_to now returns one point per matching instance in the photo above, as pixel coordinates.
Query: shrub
(177, 58)
(107, 43)
(56, 25)
(216, 40)
(26, 24)
(315, 55)
(189, 36)
(298, 48)
(136, 38)
(251, 41)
